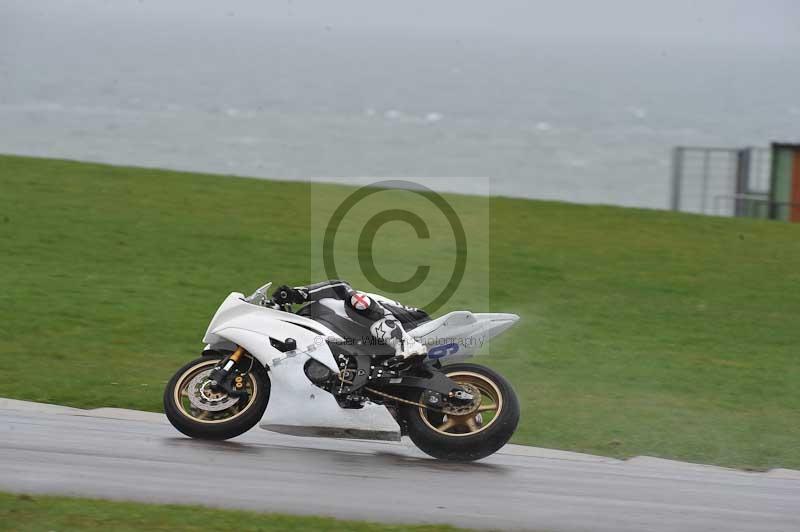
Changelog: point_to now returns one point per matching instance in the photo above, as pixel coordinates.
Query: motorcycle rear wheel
(214, 416)
(474, 433)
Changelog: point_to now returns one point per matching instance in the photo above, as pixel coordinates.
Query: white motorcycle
(318, 372)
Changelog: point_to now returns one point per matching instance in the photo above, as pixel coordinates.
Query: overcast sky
(660, 21)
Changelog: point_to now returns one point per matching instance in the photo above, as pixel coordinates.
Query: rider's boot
(406, 347)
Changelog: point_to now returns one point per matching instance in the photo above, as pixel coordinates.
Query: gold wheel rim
(180, 394)
(486, 413)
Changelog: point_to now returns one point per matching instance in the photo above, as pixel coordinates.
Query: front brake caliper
(224, 376)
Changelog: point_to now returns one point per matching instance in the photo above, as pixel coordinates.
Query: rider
(385, 325)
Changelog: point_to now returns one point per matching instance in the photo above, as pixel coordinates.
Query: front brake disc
(204, 398)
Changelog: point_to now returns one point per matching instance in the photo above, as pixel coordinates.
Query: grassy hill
(27, 513)
(643, 332)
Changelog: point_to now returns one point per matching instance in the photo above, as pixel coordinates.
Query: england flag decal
(360, 302)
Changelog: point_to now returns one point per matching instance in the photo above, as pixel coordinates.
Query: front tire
(198, 412)
(479, 430)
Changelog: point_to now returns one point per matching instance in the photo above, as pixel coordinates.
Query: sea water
(551, 119)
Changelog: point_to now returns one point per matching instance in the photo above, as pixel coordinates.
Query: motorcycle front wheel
(199, 412)
(468, 432)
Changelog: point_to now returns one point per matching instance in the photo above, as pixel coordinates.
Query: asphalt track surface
(128, 455)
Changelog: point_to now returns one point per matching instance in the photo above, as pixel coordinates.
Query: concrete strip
(784, 473)
(511, 450)
(123, 413)
(29, 406)
(554, 454)
(663, 463)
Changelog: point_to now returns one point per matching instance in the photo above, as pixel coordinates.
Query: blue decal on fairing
(442, 350)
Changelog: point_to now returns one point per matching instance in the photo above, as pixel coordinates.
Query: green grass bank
(642, 332)
(26, 513)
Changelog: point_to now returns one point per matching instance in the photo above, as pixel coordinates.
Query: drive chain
(406, 401)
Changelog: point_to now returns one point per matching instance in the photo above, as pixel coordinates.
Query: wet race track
(130, 455)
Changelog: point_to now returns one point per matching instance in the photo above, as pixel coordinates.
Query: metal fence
(721, 181)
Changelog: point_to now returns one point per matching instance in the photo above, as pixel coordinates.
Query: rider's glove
(271, 303)
(286, 294)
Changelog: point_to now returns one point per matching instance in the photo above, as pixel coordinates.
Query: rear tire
(218, 425)
(467, 437)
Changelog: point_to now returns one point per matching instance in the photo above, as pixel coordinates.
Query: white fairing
(252, 326)
(296, 405)
(461, 334)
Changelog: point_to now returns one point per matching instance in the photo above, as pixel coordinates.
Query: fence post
(677, 175)
(742, 181)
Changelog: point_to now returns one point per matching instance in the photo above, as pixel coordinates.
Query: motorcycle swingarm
(437, 382)
(366, 373)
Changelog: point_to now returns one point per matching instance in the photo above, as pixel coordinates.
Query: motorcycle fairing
(296, 406)
(244, 324)
(461, 334)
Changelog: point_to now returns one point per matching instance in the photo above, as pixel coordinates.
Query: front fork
(225, 378)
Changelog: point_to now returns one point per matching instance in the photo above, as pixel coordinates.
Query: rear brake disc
(464, 408)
